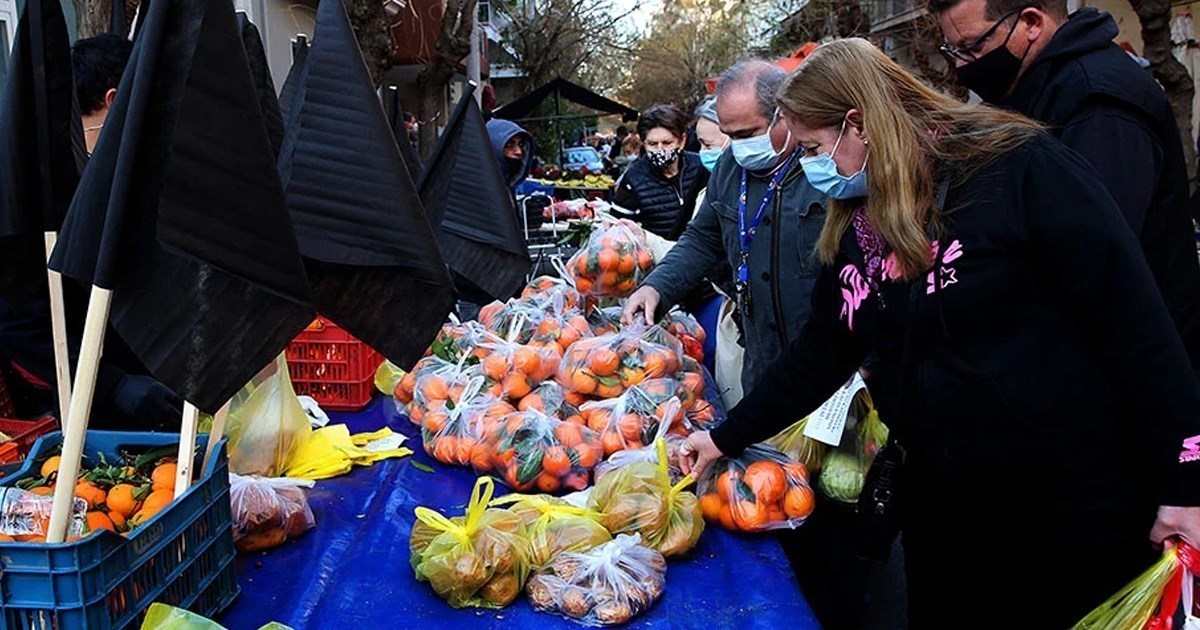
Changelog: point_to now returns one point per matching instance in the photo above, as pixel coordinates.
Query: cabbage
(841, 477)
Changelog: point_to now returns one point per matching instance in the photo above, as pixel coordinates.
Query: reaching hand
(1177, 522)
(697, 454)
(642, 304)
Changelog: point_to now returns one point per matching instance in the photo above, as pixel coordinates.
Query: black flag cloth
(467, 198)
(41, 146)
(395, 114)
(180, 211)
(371, 256)
(260, 71)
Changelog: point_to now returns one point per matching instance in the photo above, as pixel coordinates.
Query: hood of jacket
(500, 132)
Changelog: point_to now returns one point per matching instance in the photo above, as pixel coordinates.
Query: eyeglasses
(970, 52)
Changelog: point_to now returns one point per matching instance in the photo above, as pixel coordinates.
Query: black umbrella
(260, 71)
(41, 146)
(181, 215)
(468, 199)
(371, 256)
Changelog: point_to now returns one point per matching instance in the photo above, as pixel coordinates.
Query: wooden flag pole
(215, 435)
(79, 411)
(58, 326)
(187, 449)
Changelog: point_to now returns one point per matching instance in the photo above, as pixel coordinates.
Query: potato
(501, 590)
(576, 602)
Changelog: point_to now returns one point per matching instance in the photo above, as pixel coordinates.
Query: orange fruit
(656, 366)
(89, 492)
(767, 480)
(99, 520)
(711, 505)
(434, 388)
(576, 481)
(568, 336)
(608, 260)
(775, 514)
(30, 538)
(607, 280)
(576, 419)
(434, 421)
(644, 260)
(142, 516)
(588, 456)
(527, 360)
(625, 286)
(726, 517)
(568, 434)
(583, 382)
(749, 516)
(603, 362)
(631, 426)
(118, 519)
(555, 461)
(164, 476)
(6, 538)
(120, 499)
(481, 457)
(158, 500)
(50, 466)
(532, 401)
(598, 420)
(626, 264)
(795, 471)
(583, 284)
(516, 385)
(609, 391)
(612, 443)
(798, 502)
(495, 366)
(693, 382)
(548, 483)
(44, 491)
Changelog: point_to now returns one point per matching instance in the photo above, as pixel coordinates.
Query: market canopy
(561, 88)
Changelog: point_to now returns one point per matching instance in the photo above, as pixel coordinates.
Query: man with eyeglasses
(1068, 73)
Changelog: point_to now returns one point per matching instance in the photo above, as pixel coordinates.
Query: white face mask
(758, 153)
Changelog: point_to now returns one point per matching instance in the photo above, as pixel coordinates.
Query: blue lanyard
(746, 232)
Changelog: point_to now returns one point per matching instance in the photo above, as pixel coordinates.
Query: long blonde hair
(915, 134)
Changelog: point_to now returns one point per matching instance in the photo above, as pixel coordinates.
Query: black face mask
(992, 75)
(514, 167)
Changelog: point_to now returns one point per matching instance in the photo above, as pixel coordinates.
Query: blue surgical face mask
(822, 173)
(710, 157)
(758, 153)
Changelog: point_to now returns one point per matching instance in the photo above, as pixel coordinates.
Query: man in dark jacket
(775, 299)
(514, 150)
(1067, 73)
(126, 397)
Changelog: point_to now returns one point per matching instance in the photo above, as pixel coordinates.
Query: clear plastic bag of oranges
(613, 262)
(555, 526)
(556, 296)
(605, 366)
(451, 434)
(533, 452)
(515, 320)
(516, 367)
(758, 491)
(436, 383)
(799, 447)
(637, 417)
(639, 498)
(268, 511)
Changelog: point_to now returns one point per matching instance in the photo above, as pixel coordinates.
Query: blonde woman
(1021, 353)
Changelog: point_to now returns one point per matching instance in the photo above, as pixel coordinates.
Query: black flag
(180, 211)
(467, 198)
(395, 114)
(291, 84)
(41, 145)
(116, 14)
(371, 255)
(260, 71)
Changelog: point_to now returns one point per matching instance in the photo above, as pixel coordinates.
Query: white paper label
(829, 420)
(388, 443)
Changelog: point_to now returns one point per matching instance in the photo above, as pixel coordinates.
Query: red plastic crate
(333, 367)
(23, 433)
(7, 410)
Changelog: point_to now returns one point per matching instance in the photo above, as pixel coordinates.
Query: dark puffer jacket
(662, 205)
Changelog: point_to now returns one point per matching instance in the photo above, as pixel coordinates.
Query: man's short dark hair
(765, 77)
(622, 131)
(409, 117)
(668, 117)
(98, 63)
(999, 8)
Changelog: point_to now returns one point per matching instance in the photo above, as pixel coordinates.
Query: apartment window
(3, 50)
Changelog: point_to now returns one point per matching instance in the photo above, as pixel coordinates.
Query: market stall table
(353, 572)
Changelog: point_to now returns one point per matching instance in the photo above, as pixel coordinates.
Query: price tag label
(829, 420)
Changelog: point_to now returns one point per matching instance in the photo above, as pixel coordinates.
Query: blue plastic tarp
(352, 572)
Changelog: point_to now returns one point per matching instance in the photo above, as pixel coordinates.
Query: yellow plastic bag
(479, 559)
(555, 526)
(164, 617)
(640, 499)
(799, 447)
(332, 451)
(1133, 605)
(267, 427)
(387, 377)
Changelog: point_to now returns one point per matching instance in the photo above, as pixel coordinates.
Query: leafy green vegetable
(419, 466)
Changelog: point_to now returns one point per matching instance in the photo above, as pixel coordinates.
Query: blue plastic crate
(183, 556)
